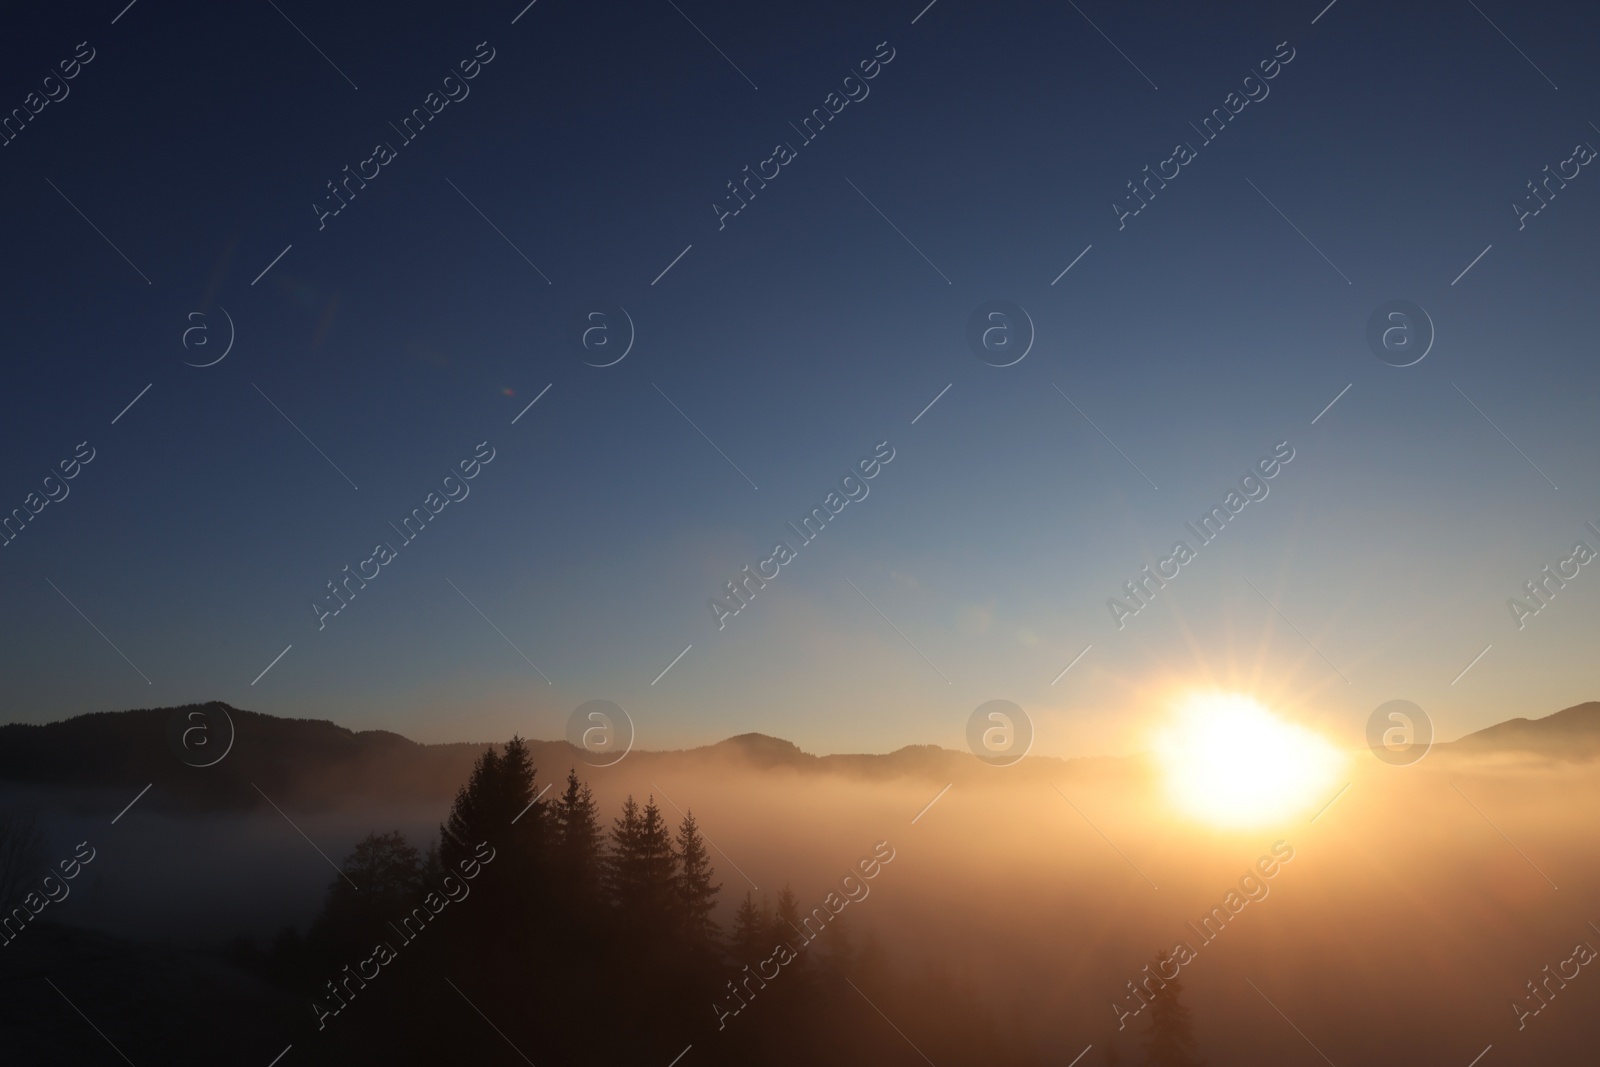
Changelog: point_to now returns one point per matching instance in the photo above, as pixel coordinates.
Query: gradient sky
(808, 329)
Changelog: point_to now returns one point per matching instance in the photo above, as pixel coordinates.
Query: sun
(1229, 761)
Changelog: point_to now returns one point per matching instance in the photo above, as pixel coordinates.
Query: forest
(532, 931)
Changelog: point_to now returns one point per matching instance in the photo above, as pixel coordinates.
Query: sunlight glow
(1229, 761)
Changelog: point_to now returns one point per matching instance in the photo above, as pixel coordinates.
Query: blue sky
(808, 329)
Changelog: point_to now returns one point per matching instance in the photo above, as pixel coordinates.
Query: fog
(1400, 931)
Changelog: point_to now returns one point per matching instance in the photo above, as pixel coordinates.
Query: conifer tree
(657, 867)
(786, 929)
(622, 864)
(493, 807)
(642, 869)
(841, 946)
(578, 840)
(516, 779)
(650, 966)
(520, 819)
(1170, 1040)
(750, 932)
(697, 896)
(472, 816)
(786, 918)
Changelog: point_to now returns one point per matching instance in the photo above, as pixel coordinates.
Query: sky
(174, 194)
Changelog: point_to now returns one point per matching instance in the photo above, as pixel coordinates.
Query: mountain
(314, 761)
(1570, 734)
(318, 765)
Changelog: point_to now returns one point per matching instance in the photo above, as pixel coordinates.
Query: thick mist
(1399, 926)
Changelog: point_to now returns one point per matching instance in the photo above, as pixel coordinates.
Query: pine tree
(649, 966)
(621, 865)
(697, 897)
(841, 946)
(471, 819)
(1170, 1041)
(521, 819)
(657, 866)
(786, 930)
(786, 921)
(642, 869)
(750, 933)
(494, 808)
(578, 840)
(515, 785)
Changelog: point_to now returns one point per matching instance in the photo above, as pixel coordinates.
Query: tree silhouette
(522, 816)
(842, 956)
(473, 814)
(495, 838)
(786, 920)
(657, 866)
(786, 930)
(577, 844)
(750, 933)
(697, 896)
(494, 806)
(382, 881)
(621, 870)
(643, 868)
(1170, 1041)
(622, 914)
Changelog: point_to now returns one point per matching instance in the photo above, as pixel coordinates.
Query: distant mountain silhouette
(317, 764)
(764, 751)
(1572, 734)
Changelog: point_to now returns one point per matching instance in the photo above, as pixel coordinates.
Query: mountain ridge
(1571, 733)
(320, 764)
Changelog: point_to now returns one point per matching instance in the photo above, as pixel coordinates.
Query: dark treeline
(536, 925)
